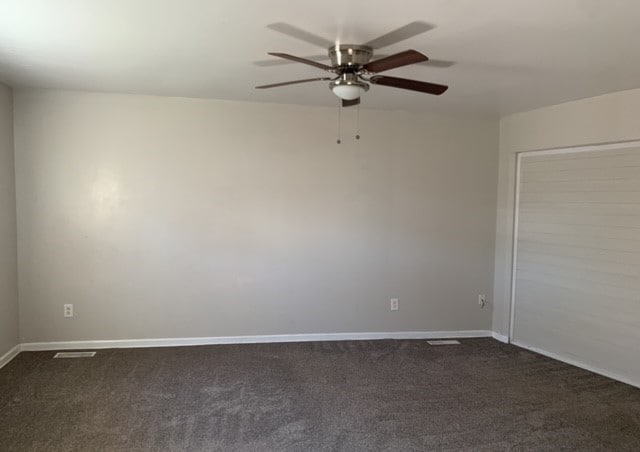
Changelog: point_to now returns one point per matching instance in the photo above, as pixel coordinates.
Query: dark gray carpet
(369, 395)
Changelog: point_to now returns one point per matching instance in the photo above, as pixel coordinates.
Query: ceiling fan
(353, 67)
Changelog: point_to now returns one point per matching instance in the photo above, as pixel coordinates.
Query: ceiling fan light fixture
(348, 92)
(348, 87)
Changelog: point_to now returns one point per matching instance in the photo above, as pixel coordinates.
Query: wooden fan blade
(412, 85)
(303, 35)
(350, 103)
(295, 82)
(430, 62)
(393, 61)
(400, 34)
(286, 56)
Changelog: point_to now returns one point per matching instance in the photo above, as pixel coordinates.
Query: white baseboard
(580, 364)
(177, 342)
(500, 337)
(4, 359)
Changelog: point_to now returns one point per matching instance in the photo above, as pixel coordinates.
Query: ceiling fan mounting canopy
(352, 64)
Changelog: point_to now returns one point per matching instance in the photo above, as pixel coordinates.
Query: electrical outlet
(393, 305)
(68, 310)
(482, 301)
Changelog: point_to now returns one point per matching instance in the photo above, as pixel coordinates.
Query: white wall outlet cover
(393, 305)
(68, 310)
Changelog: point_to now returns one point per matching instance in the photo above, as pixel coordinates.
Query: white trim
(500, 337)
(7, 357)
(514, 248)
(177, 342)
(583, 148)
(580, 364)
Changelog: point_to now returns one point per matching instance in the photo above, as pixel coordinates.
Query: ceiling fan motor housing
(350, 55)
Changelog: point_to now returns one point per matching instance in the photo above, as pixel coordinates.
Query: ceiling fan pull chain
(358, 122)
(339, 132)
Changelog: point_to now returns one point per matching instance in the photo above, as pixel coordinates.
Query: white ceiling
(510, 55)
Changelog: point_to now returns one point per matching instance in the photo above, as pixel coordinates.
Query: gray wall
(8, 266)
(167, 217)
(603, 119)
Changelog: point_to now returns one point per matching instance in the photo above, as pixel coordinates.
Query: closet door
(577, 258)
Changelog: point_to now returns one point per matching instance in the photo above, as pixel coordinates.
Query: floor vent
(444, 342)
(75, 355)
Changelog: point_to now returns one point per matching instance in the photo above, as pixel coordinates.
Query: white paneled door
(576, 291)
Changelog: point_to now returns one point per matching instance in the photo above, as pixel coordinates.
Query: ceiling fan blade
(400, 34)
(431, 62)
(303, 35)
(412, 85)
(393, 61)
(286, 56)
(295, 82)
(438, 63)
(272, 62)
(350, 103)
